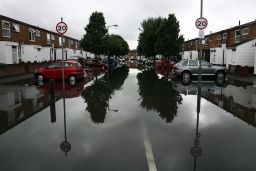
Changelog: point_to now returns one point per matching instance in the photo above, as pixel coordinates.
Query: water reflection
(237, 99)
(157, 94)
(18, 103)
(196, 150)
(97, 95)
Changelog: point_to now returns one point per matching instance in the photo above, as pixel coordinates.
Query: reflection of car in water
(69, 92)
(192, 87)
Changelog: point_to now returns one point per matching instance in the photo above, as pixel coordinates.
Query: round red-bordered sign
(61, 28)
(201, 23)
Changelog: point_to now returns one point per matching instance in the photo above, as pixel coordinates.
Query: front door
(14, 54)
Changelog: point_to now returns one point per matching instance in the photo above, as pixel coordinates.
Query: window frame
(48, 38)
(9, 30)
(237, 36)
(16, 27)
(32, 34)
(245, 33)
(224, 37)
(38, 33)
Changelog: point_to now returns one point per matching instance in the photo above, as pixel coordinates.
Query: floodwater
(131, 121)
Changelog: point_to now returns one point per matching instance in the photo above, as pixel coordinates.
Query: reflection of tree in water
(158, 95)
(97, 95)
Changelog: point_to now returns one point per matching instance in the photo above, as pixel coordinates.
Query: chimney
(210, 32)
(239, 22)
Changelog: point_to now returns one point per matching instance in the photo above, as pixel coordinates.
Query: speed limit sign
(201, 23)
(61, 28)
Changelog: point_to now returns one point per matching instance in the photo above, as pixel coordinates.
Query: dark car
(72, 70)
(164, 64)
(188, 68)
(112, 62)
(95, 63)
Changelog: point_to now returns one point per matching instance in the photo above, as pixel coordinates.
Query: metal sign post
(62, 28)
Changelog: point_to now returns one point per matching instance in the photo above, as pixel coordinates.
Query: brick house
(22, 42)
(231, 47)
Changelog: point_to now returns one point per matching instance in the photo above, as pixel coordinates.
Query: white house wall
(6, 52)
(244, 55)
(216, 55)
(191, 54)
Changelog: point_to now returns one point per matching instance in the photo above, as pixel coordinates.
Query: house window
(48, 38)
(237, 36)
(16, 27)
(76, 45)
(225, 35)
(53, 37)
(6, 29)
(32, 35)
(60, 43)
(71, 42)
(37, 33)
(219, 37)
(245, 31)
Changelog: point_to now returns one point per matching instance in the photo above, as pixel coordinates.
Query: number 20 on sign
(61, 28)
(201, 23)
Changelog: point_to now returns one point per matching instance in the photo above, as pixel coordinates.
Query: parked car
(112, 62)
(188, 68)
(95, 63)
(72, 70)
(164, 64)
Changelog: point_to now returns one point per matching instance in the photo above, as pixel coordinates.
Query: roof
(36, 27)
(240, 43)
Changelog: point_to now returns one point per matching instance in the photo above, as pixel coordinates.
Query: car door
(207, 68)
(193, 67)
(52, 70)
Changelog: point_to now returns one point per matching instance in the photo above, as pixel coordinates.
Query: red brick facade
(23, 35)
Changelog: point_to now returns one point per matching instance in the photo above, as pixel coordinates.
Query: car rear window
(54, 65)
(204, 63)
(185, 63)
(67, 65)
(193, 63)
(78, 65)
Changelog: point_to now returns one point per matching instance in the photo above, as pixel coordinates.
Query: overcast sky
(128, 14)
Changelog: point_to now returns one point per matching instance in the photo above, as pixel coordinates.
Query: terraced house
(22, 42)
(234, 48)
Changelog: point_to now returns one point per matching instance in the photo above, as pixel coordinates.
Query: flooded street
(134, 120)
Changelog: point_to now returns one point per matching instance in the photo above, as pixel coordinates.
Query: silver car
(187, 68)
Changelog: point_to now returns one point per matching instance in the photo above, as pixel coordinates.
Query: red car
(95, 63)
(164, 64)
(72, 70)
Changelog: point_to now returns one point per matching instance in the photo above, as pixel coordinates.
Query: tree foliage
(160, 36)
(158, 95)
(116, 45)
(93, 40)
(148, 36)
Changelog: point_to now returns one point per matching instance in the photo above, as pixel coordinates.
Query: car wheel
(219, 75)
(40, 77)
(72, 80)
(186, 77)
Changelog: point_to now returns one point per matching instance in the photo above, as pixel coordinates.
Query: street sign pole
(62, 54)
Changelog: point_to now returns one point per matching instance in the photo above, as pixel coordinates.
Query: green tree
(116, 45)
(148, 36)
(168, 42)
(93, 40)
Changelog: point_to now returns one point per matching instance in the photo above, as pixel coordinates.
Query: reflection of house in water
(240, 101)
(18, 104)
